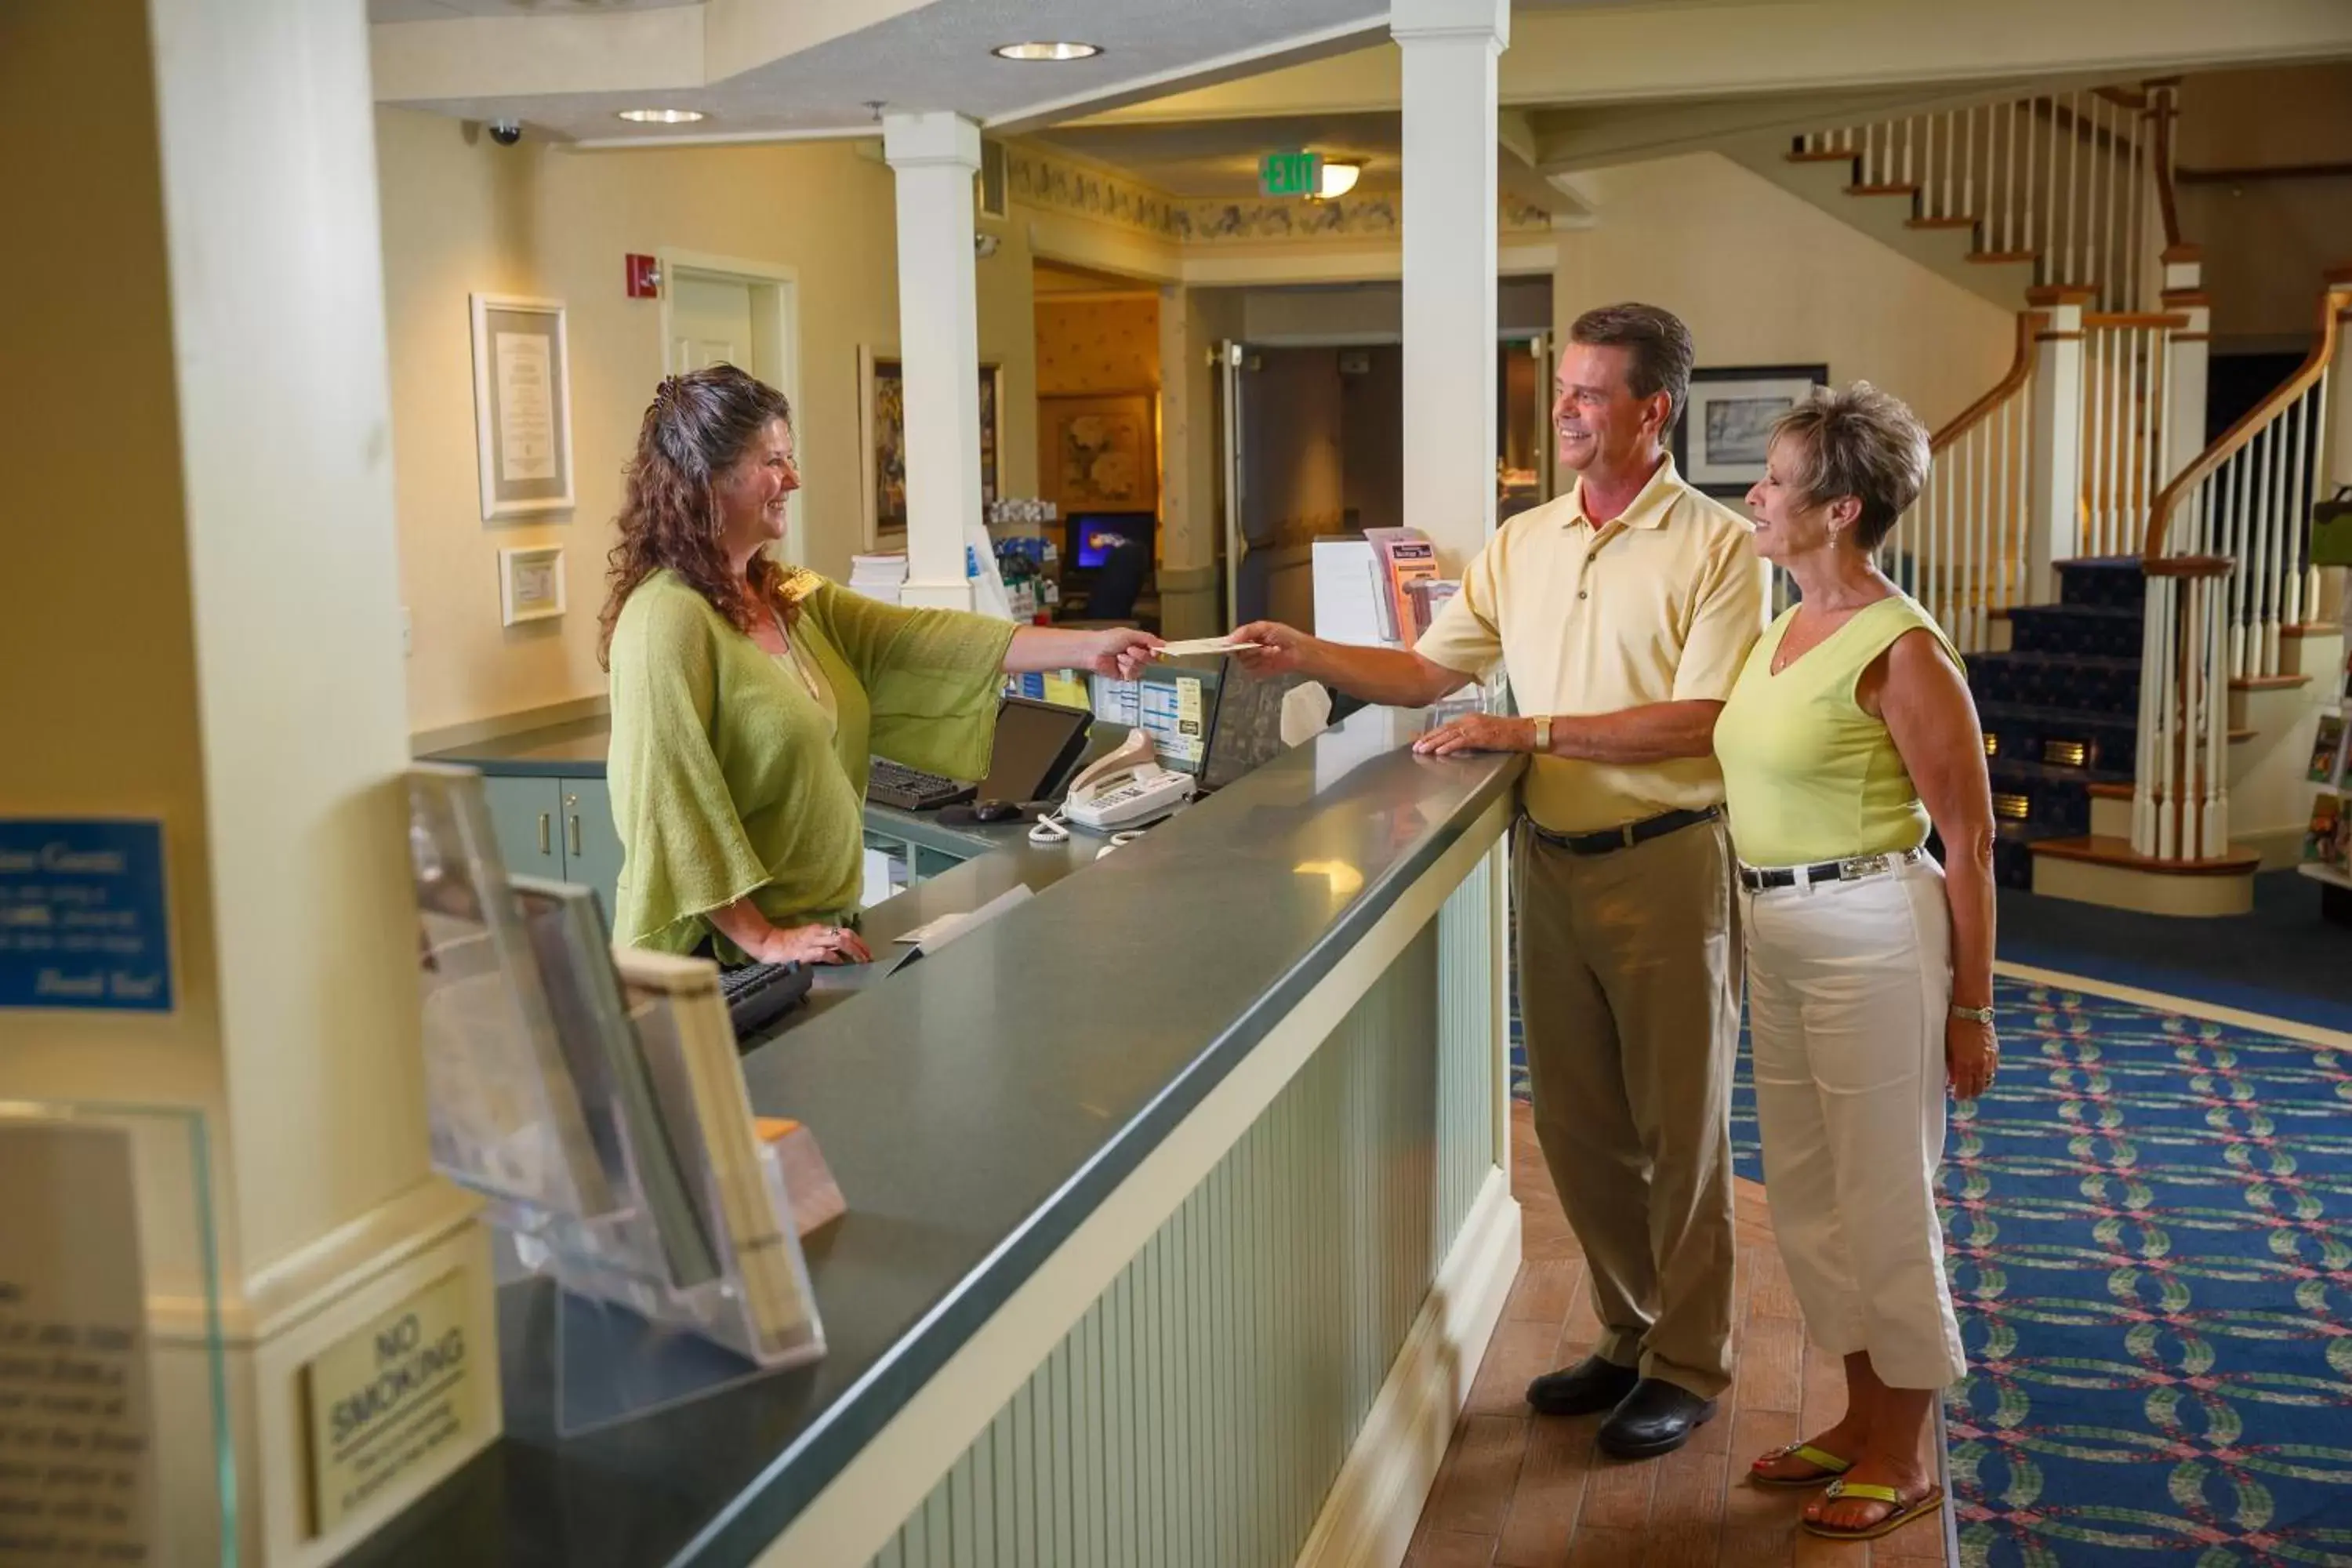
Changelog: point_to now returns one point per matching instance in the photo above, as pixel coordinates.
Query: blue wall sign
(83, 919)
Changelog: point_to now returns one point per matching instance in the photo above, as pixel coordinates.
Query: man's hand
(1120, 652)
(1478, 732)
(1280, 649)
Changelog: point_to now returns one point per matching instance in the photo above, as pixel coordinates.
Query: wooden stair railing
(2073, 181)
(1962, 549)
(2224, 555)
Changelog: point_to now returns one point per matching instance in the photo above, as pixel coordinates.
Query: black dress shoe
(1657, 1418)
(1591, 1385)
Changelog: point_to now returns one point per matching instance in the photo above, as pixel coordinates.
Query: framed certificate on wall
(523, 405)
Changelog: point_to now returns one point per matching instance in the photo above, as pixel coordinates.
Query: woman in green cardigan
(747, 696)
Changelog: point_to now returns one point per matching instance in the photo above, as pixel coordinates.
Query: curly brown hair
(697, 425)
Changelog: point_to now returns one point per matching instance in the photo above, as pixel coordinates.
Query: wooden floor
(1523, 1492)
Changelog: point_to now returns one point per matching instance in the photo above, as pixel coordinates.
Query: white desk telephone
(1129, 785)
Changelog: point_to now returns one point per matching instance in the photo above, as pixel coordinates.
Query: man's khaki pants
(1629, 995)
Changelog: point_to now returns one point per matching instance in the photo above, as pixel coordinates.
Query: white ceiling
(935, 57)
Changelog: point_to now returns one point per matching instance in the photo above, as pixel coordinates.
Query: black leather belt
(1757, 879)
(1623, 838)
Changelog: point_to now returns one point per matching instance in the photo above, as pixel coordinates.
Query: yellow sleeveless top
(1807, 774)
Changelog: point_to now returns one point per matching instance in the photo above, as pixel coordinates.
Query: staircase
(2048, 191)
(2060, 709)
(2135, 608)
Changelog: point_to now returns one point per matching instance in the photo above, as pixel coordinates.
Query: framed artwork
(1719, 446)
(1101, 453)
(523, 405)
(882, 416)
(530, 584)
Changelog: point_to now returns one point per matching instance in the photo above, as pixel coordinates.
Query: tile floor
(1519, 1491)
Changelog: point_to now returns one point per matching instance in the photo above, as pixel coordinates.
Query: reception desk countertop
(975, 1109)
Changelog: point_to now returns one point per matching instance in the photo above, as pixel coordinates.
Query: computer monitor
(1095, 534)
(1177, 703)
(1038, 746)
(1249, 725)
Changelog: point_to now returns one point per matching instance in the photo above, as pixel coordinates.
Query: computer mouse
(996, 811)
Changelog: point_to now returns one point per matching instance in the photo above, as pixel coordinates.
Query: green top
(1807, 774)
(729, 775)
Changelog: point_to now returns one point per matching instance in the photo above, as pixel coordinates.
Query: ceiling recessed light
(1062, 51)
(1338, 179)
(662, 116)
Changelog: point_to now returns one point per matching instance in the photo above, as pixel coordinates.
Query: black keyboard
(759, 994)
(888, 783)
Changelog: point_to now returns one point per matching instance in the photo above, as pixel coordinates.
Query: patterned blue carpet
(2149, 1227)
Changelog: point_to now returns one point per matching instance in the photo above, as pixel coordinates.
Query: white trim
(2288, 1028)
(656, 141)
(859, 1510)
(1368, 1517)
(782, 340)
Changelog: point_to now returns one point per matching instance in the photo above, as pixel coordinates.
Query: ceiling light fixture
(1058, 51)
(1338, 179)
(662, 116)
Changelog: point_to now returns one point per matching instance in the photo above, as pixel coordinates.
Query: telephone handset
(1128, 785)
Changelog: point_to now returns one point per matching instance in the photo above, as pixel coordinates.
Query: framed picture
(530, 584)
(523, 405)
(1720, 445)
(1100, 453)
(882, 417)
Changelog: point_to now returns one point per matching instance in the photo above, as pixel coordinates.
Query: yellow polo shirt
(1659, 605)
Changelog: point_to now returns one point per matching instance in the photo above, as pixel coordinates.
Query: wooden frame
(1099, 452)
(530, 584)
(523, 405)
(1733, 409)
(882, 440)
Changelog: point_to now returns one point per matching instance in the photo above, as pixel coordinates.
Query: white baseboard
(1368, 1521)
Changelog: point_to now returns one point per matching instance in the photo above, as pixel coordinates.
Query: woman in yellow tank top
(1869, 966)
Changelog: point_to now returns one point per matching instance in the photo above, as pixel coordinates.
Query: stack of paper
(879, 576)
(1347, 593)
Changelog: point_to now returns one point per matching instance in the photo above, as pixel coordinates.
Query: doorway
(720, 310)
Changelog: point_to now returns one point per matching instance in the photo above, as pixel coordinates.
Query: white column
(935, 157)
(1450, 48)
(2054, 506)
(2187, 355)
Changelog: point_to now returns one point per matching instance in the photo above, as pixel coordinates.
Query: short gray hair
(1861, 442)
(1657, 344)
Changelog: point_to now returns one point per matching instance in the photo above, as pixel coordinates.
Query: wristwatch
(1973, 1014)
(1543, 735)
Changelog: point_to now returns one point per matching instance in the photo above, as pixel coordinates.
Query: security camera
(505, 132)
(984, 245)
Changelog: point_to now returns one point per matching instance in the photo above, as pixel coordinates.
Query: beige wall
(1097, 345)
(464, 216)
(1763, 278)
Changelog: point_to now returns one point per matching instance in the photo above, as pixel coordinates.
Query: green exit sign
(1290, 173)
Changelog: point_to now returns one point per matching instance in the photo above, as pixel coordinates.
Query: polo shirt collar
(1649, 508)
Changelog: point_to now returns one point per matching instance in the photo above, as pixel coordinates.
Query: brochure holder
(114, 1285)
(594, 1098)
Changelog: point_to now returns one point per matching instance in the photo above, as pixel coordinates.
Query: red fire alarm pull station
(645, 278)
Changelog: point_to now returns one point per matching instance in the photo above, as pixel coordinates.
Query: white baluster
(1910, 142)
(2215, 826)
(1969, 168)
(2240, 551)
(1986, 601)
(2168, 757)
(1951, 160)
(2298, 508)
(2145, 744)
(2280, 529)
(2157, 460)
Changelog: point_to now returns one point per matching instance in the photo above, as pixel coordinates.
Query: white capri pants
(1848, 983)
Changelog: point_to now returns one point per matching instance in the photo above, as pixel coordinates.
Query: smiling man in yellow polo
(1622, 612)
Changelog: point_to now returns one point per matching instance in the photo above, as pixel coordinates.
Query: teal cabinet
(560, 829)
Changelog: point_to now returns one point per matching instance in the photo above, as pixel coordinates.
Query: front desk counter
(1150, 1179)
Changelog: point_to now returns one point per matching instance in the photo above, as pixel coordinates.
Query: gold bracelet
(1973, 1014)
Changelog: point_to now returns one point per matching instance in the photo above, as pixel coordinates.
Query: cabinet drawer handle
(572, 826)
(546, 833)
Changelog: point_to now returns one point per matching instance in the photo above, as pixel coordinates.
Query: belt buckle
(1861, 866)
(1626, 833)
